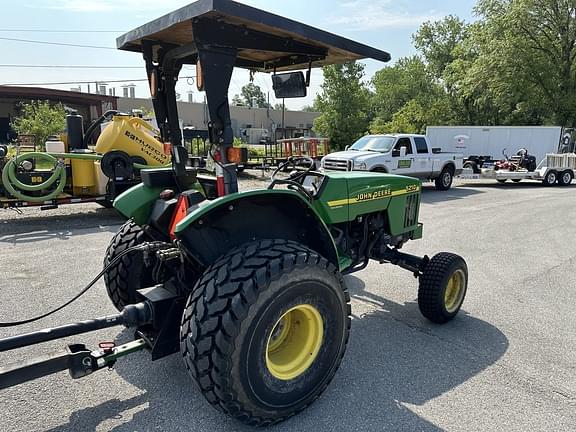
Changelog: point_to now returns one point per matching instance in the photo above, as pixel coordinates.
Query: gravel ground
(506, 363)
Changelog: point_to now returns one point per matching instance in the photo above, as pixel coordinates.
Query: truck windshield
(374, 143)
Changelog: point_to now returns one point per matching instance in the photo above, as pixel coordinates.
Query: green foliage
(343, 104)
(439, 41)
(530, 45)
(251, 94)
(41, 119)
(404, 93)
(515, 65)
(308, 108)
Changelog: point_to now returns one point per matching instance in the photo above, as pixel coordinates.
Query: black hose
(145, 246)
(90, 131)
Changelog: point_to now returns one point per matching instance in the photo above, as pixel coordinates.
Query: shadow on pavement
(61, 227)
(432, 196)
(395, 359)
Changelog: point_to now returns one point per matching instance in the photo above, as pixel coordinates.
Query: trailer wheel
(473, 166)
(501, 181)
(443, 286)
(565, 178)
(550, 178)
(130, 273)
(444, 181)
(516, 180)
(265, 329)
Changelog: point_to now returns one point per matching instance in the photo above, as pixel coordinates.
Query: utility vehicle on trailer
(554, 169)
(248, 286)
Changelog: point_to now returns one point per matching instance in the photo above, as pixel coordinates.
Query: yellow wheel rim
(454, 292)
(294, 342)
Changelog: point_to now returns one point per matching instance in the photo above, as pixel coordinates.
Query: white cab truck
(402, 154)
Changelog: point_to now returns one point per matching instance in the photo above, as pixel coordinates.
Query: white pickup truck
(403, 154)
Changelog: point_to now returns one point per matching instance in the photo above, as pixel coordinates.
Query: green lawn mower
(247, 286)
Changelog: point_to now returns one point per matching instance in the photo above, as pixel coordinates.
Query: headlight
(360, 165)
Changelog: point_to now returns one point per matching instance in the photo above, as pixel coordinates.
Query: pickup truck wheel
(444, 181)
(550, 178)
(265, 329)
(565, 178)
(443, 287)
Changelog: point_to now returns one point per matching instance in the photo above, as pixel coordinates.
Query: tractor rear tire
(444, 181)
(265, 329)
(443, 286)
(130, 273)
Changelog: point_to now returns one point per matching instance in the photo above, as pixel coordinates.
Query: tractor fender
(217, 226)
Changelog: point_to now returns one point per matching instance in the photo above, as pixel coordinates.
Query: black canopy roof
(306, 44)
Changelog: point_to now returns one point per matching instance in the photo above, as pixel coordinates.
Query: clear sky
(384, 24)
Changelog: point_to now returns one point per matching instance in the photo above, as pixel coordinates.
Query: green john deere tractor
(248, 286)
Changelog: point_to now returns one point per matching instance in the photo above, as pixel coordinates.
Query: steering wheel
(293, 180)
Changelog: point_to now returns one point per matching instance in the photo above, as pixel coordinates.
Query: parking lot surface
(506, 363)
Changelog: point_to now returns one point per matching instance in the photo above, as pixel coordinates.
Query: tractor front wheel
(265, 329)
(130, 273)
(443, 287)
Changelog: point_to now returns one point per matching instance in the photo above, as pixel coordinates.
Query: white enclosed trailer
(489, 141)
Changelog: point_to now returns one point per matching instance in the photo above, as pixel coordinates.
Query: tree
(344, 104)
(252, 96)
(41, 119)
(531, 45)
(438, 41)
(308, 108)
(407, 87)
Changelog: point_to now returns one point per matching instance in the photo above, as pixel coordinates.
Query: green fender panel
(137, 202)
(216, 226)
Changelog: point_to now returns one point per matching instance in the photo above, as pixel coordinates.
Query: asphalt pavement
(506, 363)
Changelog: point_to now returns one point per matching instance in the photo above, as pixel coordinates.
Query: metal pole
(131, 315)
(283, 125)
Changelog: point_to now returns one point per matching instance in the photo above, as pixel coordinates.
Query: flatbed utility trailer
(276, 153)
(554, 169)
(247, 286)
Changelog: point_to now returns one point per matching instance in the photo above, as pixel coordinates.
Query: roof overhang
(264, 41)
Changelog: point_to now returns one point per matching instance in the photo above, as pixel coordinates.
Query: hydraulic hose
(15, 186)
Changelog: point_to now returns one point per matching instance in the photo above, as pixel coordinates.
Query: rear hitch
(77, 359)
